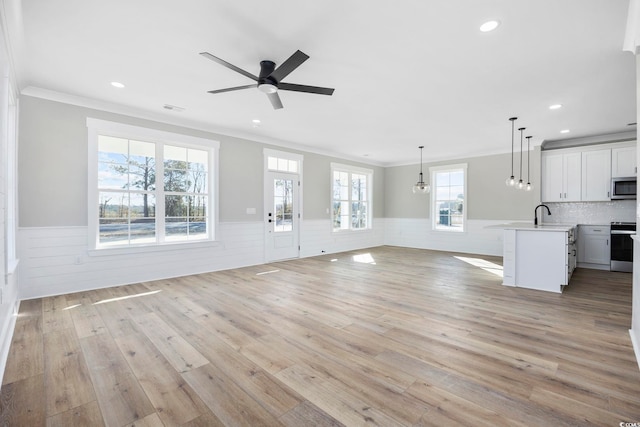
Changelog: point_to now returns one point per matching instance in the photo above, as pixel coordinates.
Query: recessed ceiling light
(255, 123)
(117, 84)
(565, 131)
(555, 106)
(489, 26)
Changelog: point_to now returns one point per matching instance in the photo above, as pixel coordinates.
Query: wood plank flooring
(386, 336)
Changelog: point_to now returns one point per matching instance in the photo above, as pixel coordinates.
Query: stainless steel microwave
(623, 188)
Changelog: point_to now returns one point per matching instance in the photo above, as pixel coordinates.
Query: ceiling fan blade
(275, 100)
(289, 65)
(229, 89)
(230, 66)
(304, 88)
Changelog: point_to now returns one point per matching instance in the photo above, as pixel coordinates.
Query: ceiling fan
(270, 79)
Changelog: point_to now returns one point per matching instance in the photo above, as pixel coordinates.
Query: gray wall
(52, 168)
(488, 198)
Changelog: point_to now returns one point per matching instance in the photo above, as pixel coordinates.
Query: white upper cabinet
(623, 162)
(596, 175)
(584, 173)
(561, 176)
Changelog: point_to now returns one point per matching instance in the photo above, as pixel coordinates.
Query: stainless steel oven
(622, 246)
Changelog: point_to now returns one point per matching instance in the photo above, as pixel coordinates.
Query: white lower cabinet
(594, 250)
(542, 259)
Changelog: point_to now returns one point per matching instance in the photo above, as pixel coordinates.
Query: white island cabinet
(539, 257)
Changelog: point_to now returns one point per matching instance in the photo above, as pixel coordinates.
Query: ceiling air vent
(173, 108)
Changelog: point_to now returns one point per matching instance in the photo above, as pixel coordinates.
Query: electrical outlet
(78, 259)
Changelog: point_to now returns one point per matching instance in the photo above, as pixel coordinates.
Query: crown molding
(138, 113)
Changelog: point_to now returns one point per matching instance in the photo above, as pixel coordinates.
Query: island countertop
(531, 227)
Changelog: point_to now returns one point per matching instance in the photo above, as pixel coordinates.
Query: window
(351, 197)
(149, 187)
(281, 164)
(448, 197)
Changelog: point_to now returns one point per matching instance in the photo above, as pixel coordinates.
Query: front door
(282, 216)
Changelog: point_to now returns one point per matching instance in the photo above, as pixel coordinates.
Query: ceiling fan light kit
(270, 78)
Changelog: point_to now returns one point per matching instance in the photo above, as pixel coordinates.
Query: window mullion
(159, 193)
(350, 201)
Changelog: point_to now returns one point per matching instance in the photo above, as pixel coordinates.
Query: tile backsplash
(600, 213)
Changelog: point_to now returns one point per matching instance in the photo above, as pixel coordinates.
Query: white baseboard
(636, 346)
(7, 338)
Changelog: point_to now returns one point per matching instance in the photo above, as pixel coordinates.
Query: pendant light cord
(513, 120)
(521, 130)
(528, 158)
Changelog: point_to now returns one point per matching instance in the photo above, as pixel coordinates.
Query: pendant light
(521, 183)
(421, 187)
(511, 181)
(529, 187)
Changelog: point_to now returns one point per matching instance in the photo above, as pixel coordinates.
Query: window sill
(153, 248)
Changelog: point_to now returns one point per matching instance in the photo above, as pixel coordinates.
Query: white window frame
(434, 212)
(339, 167)
(97, 127)
(291, 157)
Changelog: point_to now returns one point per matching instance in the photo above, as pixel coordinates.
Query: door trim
(267, 152)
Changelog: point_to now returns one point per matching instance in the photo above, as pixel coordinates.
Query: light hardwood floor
(386, 336)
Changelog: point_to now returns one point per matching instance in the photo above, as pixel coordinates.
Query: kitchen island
(539, 257)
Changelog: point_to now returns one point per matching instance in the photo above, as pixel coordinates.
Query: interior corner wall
(489, 202)
(635, 317)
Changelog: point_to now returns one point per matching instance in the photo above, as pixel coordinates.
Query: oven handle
(628, 232)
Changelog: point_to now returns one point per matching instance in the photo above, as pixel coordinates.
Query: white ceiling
(406, 73)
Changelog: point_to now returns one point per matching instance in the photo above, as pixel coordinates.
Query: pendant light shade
(520, 185)
(511, 181)
(420, 187)
(529, 187)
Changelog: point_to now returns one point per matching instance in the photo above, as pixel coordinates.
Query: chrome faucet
(535, 213)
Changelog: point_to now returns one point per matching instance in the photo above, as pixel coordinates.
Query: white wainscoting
(55, 260)
(417, 233)
(317, 237)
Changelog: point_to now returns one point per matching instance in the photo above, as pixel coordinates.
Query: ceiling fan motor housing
(266, 83)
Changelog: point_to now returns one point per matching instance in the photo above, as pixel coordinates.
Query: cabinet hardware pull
(596, 230)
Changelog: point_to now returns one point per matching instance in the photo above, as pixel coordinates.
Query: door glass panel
(283, 205)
